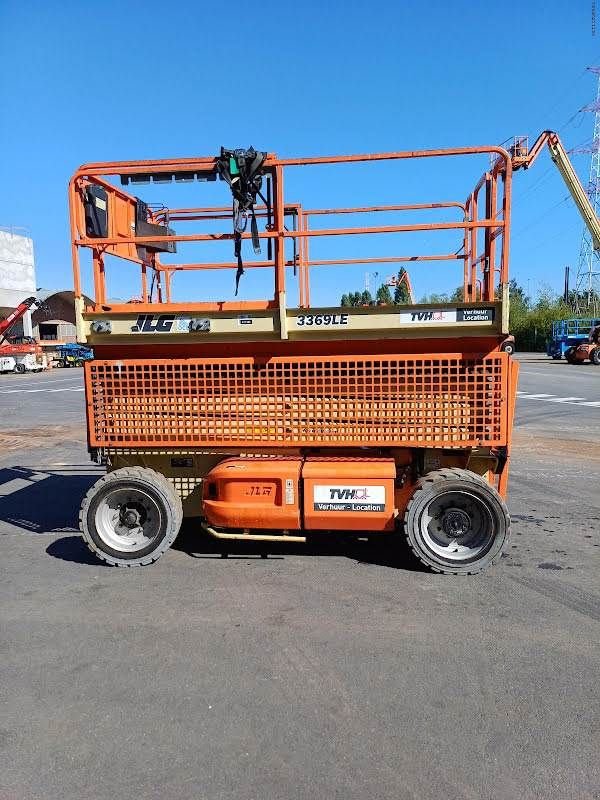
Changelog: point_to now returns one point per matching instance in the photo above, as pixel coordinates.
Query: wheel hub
(130, 517)
(456, 522)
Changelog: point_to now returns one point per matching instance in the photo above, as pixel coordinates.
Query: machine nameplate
(309, 320)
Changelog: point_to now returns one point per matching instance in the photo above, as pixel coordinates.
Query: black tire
(508, 347)
(138, 530)
(441, 547)
(20, 368)
(595, 356)
(569, 355)
(556, 356)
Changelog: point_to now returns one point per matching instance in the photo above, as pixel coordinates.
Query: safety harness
(242, 169)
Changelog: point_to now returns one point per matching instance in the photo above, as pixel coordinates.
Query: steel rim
(457, 526)
(128, 520)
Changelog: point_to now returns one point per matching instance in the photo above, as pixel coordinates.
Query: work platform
(263, 375)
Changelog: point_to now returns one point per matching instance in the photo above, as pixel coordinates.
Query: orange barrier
(331, 401)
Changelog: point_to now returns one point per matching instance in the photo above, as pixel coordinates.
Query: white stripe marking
(550, 398)
(48, 391)
(36, 382)
(572, 373)
(565, 399)
(536, 396)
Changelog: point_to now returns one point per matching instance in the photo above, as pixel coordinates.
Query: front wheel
(455, 522)
(508, 347)
(130, 517)
(570, 355)
(595, 356)
(20, 368)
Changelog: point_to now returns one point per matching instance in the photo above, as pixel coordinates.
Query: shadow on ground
(47, 500)
(386, 551)
(44, 500)
(383, 549)
(72, 548)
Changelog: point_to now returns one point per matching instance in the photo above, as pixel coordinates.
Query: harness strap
(241, 170)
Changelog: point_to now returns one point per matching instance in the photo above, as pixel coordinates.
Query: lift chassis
(270, 421)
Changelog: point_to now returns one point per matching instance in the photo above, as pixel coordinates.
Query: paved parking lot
(344, 670)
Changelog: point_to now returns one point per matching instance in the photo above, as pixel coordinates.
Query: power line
(568, 92)
(542, 216)
(539, 180)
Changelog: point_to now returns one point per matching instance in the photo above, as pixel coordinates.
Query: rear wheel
(131, 516)
(20, 368)
(455, 522)
(595, 356)
(508, 347)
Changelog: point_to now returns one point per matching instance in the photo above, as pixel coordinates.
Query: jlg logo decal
(161, 323)
(349, 498)
(146, 323)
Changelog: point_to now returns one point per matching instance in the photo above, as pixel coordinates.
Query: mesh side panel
(184, 486)
(415, 401)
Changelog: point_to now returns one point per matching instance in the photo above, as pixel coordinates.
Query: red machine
(6, 325)
(585, 351)
(23, 356)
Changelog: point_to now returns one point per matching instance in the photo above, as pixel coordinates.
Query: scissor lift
(569, 333)
(270, 422)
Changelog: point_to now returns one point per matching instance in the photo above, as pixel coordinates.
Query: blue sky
(83, 81)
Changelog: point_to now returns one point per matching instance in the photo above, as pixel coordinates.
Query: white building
(17, 272)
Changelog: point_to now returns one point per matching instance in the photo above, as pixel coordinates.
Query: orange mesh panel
(416, 401)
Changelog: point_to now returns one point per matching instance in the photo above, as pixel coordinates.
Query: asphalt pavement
(335, 671)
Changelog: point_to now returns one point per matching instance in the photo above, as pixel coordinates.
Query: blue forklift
(568, 333)
(72, 355)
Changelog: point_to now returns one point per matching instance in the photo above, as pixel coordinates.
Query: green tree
(435, 298)
(344, 302)
(401, 294)
(366, 298)
(518, 296)
(384, 296)
(531, 321)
